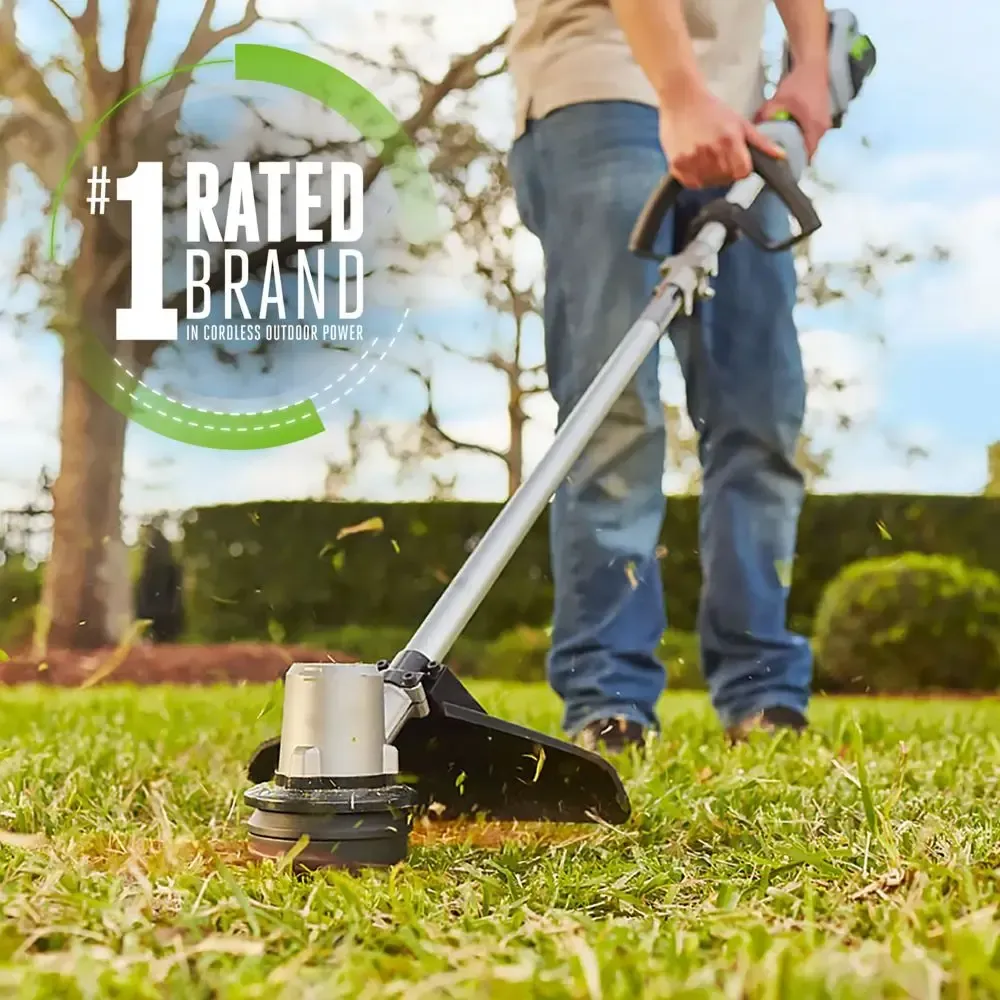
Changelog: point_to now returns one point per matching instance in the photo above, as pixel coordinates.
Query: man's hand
(706, 142)
(805, 95)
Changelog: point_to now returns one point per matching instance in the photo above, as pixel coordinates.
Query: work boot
(769, 721)
(611, 736)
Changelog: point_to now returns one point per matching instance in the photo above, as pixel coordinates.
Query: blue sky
(924, 355)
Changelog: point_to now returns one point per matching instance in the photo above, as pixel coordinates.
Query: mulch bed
(254, 663)
(233, 663)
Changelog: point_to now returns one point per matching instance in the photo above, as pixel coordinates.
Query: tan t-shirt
(565, 52)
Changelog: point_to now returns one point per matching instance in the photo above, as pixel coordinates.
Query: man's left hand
(804, 94)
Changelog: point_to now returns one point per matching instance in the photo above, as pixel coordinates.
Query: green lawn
(858, 861)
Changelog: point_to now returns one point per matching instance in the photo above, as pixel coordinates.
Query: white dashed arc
(419, 222)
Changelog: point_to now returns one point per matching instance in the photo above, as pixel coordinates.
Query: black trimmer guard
(462, 762)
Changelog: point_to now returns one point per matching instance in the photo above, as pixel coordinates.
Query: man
(609, 93)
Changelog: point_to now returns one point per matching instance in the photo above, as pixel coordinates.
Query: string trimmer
(363, 747)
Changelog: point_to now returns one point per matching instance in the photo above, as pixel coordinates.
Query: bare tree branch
(37, 131)
(485, 359)
(20, 79)
(346, 55)
(431, 422)
(166, 111)
(88, 21)
(509, 366)
(26, 140)
(205, 38)
(461, 75)
(62, 10)
(138, 32)
(490, 74)
(98, 79)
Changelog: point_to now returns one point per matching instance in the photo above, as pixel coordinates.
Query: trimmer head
(335, 779)
(454, 761)
(343, 827)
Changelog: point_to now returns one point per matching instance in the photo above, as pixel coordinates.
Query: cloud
(456, 25)
(843, 372)
(958, 299)
(868, 464)
(191, 477)
(161, 473)
(29, 413)
(926, 301)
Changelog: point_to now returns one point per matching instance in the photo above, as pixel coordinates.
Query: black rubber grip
(775, 173)
(647, 226)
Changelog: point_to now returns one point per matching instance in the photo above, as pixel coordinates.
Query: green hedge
(517, 655)
(20, 590)
(252, 566)
(256, 567)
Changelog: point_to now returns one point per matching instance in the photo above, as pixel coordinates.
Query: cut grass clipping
(857, 861)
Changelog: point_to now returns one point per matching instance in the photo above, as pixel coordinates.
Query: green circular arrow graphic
(420, 222)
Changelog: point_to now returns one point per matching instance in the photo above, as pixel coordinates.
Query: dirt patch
(152, 856)
(492, 836)
(147, 664)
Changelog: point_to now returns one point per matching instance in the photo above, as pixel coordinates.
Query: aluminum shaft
(470, 585)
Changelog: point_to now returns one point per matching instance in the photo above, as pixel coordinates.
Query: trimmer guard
(465, 763)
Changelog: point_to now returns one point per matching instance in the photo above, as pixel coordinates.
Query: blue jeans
(581, 176)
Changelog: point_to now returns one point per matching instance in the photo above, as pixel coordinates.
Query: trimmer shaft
(336, 782)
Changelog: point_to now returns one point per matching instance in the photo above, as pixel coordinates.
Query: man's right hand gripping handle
(779, 174)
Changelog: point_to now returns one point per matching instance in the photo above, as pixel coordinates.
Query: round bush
(910, 623)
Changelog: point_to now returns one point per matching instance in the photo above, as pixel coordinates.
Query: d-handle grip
(776, 173)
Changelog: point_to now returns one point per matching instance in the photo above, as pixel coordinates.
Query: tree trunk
(515, 452)
(86, 594)
(83, 576)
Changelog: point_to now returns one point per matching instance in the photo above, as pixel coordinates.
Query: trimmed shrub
(517, 655)
(304, 564)
(373, 644)
(20, 591)
(680, 654)
(17, 630)
(911, 623)
(520, 654)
